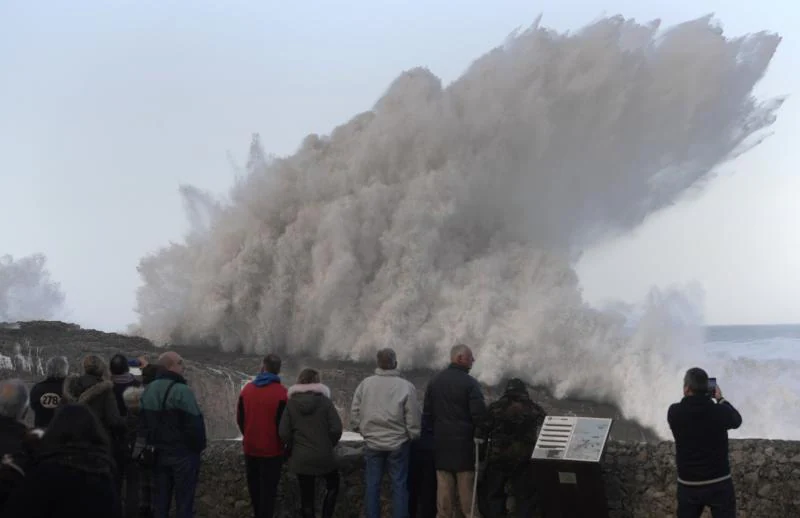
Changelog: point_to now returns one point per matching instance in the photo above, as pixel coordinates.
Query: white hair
(132, 396)
(57, 367)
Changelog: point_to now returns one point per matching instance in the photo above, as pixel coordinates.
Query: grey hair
(13, 399)
(696, 380)
(458, 350)
(57, 367)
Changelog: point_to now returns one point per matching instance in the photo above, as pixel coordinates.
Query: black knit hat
(516, 386)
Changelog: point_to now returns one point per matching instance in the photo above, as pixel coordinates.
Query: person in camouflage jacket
(514, 422)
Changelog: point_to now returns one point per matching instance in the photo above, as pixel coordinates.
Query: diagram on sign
(572, 438)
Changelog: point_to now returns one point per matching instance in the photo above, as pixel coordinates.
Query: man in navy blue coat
(700, 424)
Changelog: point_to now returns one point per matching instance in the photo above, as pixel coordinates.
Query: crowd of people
(106, 443)
(432, 451)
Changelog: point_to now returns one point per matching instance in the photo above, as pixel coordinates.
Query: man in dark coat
(172, 423)
(513, 425)
(46, 395)
(700, 424)
(258, 414)
(455, 407)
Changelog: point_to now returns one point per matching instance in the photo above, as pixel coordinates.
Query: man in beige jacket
(386, 412)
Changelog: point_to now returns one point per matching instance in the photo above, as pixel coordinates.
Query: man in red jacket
(261, 404)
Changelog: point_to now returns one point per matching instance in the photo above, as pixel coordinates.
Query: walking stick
(475, 480)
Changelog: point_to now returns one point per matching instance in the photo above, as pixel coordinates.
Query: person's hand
(717, 393)
(142, 361)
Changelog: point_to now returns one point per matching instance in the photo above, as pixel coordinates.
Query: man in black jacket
(700, 427)
(455, 407)
(46, 395)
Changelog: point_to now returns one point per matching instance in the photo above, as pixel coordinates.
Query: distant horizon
(790, 324)
(125, 331)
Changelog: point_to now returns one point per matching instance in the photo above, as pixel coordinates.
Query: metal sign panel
(572, 438)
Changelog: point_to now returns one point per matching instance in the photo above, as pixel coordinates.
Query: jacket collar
(122, 379)
(387, 372)
(172, 376)
(696, 401)
(458, 367)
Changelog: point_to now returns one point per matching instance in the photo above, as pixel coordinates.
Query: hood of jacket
(266, 378)
(308, 397)
(83, 389)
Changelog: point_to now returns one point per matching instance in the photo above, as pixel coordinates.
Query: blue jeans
(175, 472)
(397, 461)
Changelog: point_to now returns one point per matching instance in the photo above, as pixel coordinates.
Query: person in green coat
(310, 428)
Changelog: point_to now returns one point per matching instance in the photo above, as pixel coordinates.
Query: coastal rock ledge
(640, 481)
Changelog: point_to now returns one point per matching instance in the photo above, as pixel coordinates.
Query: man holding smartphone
(700, 424)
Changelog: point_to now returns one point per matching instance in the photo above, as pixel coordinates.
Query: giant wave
(456, 214)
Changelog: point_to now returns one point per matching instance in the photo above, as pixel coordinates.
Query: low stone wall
(640, 481)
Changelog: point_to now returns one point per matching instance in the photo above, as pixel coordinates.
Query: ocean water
(773, 342)
(757, 369)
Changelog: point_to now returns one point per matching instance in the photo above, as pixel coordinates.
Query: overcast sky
(107, 106)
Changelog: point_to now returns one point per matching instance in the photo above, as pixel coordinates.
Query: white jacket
(385, 411)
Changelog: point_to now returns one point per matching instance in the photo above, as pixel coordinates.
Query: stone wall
(640, 481)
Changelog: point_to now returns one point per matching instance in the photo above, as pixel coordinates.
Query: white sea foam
(455, 214)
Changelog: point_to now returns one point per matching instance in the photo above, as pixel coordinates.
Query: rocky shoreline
(217, 377)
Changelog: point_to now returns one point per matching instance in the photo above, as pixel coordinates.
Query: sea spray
(454, 214)
(26, 289)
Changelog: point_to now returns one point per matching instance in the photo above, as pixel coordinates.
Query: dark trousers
(422, 483)
(138, 491)
(520, 480)
(376, 463)
(263, 475)
(178, 473)
(719, 497)
(308, 493)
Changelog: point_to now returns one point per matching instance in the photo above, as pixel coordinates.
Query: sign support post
(566, 467)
